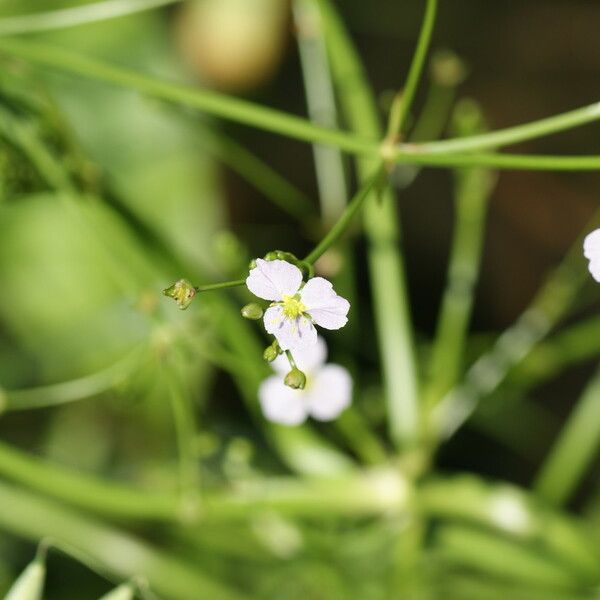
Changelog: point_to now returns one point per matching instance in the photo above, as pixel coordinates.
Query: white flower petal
(307, 359)
(594, 269)
(326, 308)
(280, 403)
(292, 334)
(330, 392)
(591, 245)
(272, 279)
(591, 250)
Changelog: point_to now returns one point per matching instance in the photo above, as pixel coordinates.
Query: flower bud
(182, 292)
(272, 352)
(295, 379)
(252, 311)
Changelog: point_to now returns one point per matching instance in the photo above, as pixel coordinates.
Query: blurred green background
(108, 196)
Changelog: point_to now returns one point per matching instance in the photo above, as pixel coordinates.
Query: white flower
(591, 250)
(327, 393)
(295, 309)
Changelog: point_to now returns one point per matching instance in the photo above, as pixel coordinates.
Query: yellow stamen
(293, 307)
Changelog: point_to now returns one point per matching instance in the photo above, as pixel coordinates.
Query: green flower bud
(182, 292)
(272, 352)
(30, 584)
(252, 311)
(252, 264)
(295, 379)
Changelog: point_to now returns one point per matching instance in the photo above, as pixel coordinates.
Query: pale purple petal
(292, 334)
(273, 279)
(326, 308)
(280, 403)
(330, 392)
(307, 359)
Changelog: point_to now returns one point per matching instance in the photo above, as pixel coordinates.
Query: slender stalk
(114, 551)
(550, 304)
(386, 267)
(571, 346)
(70, 391)
(333, 198)
(511, 135)
(76, 15)
(220, 286)
(515, 162)
(574, 450)
(295, 127)
(208, 101)
(185, 433)
(258, 173)
(346, 217)
(416, 69)
(472, 192)
(320, 98)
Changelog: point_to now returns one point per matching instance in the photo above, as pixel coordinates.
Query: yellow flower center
(293, 307)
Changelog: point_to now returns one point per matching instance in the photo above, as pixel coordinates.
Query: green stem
(574, 450)
(320, 98)
(70, 391)
(345, 218)
(517, 162)
(120, 554)
(510, 135)
(416, 69)
(208, 101)
(185, 431)
(550, 304)
(258, 173)
(473, 189)
(386, 266)
(76, 15)
(220, 286)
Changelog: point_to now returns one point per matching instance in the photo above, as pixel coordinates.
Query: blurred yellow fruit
(233, 44)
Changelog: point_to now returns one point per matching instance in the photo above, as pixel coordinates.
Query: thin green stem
(290, 358)
(345, 218)
(416, 69)
(114, 551)
(551, 303)
(515, 162)
(510, 135)
(574, 450)
(70, 391)
(220, 286)
(258, 173)
(473, 189)
(208, 101)
(386, 268)
(185, 432)
(76, 15)
(320, 98)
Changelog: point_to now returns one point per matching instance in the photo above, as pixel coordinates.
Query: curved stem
(345, 218)
(208, 101)
(416, 69)
(70, 391)
(510, 135)
(76, 15)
